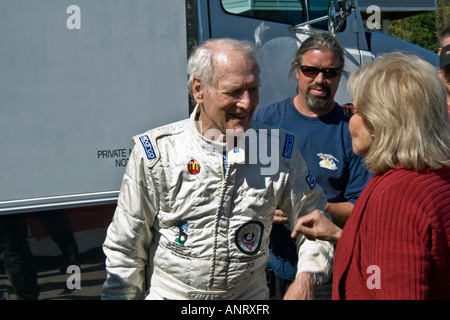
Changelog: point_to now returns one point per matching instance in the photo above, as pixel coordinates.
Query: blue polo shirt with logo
(326, 145)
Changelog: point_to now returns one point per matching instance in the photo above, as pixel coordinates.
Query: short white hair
(201, 61)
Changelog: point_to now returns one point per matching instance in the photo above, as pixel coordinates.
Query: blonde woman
(396, 242)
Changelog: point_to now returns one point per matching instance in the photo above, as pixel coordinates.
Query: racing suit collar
(204, 142)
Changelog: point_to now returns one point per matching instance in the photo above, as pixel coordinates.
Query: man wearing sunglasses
(324, 141)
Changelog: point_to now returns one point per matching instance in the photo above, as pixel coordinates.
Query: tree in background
(423, 29)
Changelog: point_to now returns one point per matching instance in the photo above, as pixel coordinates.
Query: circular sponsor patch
(193, 167)
(248, 237)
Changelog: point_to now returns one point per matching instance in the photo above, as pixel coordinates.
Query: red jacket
(396, 243)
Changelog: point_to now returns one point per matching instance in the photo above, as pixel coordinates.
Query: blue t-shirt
(326, 145)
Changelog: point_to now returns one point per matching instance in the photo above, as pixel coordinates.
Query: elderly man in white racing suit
(199, 218)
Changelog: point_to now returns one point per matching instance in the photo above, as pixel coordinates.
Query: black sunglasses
(349, 110)
(312, 72)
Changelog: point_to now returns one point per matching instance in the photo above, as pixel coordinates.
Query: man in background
(324, 142)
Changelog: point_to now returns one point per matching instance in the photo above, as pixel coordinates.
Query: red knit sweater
(396, 243)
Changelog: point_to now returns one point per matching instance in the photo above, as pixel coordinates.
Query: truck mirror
(331, 18)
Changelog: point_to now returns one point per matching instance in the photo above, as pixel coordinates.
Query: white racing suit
(202, 225)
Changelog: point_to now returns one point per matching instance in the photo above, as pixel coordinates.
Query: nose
(320, 78)
(248, 99)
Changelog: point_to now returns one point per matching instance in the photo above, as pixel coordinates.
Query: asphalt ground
(57, 283)
(54, 281)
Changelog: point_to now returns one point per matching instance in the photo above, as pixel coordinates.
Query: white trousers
(165, 287)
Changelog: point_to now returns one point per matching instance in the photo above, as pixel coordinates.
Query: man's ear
(296, 68)
(197, 90)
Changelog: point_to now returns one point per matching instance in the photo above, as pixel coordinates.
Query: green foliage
(443, 14)
(423, 29)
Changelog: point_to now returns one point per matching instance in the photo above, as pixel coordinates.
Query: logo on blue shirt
(288, 146)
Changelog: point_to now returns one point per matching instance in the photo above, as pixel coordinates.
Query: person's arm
(340, 212)
(129, 235)
(313, 226)
(302, 196)
(302, 288)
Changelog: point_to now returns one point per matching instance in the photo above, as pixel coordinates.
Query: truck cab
(278, 28)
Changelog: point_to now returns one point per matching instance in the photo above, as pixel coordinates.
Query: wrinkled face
(361, 136)
(318, 91)
(231, 102)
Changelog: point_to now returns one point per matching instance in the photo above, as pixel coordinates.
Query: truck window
(285, 11)
(319, 8)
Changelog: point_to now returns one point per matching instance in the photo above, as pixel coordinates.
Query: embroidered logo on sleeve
(148, 147)
(288, 146)
(311, 180)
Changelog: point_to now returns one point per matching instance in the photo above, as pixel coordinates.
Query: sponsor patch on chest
(249, 237)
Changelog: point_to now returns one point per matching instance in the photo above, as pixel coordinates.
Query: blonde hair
(403, 104)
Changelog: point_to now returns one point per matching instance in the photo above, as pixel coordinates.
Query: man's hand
(302, 288)
(280, 217)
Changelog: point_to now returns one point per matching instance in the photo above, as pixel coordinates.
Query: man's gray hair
(201, 61)
(322, 41)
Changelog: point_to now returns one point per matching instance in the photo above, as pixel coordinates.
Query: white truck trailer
(80, 77)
